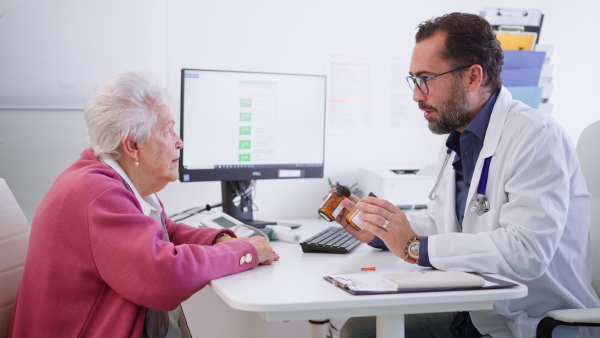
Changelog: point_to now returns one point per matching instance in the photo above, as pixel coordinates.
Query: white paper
(364, 281)
(349, 94)
(405, 117)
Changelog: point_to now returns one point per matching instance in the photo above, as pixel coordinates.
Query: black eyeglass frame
(415, 79)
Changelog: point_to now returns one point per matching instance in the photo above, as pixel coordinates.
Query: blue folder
(530, 95)
(522, 68)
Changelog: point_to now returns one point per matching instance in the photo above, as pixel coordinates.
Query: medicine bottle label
(337, 210)
(357, 221)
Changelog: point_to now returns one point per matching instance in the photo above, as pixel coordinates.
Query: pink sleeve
(180, 233)
(133, 259)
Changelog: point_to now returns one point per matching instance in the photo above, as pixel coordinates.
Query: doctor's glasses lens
(417, 82)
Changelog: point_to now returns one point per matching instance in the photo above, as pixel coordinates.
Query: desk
(294, 289)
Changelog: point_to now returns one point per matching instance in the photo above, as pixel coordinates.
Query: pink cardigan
(95, 262)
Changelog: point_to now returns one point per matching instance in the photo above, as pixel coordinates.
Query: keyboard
(333, 239)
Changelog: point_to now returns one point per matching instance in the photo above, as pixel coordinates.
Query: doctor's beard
(454, 112)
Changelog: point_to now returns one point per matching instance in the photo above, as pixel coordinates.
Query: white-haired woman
(104, 260)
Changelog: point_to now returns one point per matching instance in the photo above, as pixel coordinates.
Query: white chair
(589, 156)
(14, 239)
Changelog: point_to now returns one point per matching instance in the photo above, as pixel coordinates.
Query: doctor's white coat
(536, 231)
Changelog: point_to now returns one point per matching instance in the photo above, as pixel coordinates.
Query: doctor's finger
(382, 203)
(348, 204)
(354, 199)
(370, 208)
(376, 230)
(376, 220)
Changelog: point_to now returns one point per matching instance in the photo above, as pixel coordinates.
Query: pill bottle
(332, 206)
(353, 219)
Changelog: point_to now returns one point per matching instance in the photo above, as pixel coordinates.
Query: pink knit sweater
(95, 262)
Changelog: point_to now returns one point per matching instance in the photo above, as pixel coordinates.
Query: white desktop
(293, 288)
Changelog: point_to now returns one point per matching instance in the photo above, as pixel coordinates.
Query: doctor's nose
(418, 95)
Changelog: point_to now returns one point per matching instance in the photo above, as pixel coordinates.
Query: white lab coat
(536, 231)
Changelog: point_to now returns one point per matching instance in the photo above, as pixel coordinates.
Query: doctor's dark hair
(470, 40)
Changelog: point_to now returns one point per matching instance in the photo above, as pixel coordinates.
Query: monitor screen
(243, 126)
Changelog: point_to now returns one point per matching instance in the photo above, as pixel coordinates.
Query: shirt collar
(479, 125)
(149, 204)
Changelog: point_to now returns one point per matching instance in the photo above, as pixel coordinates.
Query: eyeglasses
(421, 82)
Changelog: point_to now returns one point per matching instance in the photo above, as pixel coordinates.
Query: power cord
(195, 210)
(262, 233)
(332, 331)
(243, 195)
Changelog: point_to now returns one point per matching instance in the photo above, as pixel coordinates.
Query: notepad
(434, 279)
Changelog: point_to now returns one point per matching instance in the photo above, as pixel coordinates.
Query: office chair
(589, 157)
(14, 240)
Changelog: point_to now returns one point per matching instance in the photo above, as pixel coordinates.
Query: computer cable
(260, 232)
(188, 214)
(244, 194)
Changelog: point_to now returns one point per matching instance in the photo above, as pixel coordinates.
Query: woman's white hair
(127, 104)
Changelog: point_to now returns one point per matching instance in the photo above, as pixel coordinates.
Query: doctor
(510, 200)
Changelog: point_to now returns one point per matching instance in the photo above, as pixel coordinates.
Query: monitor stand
(237, 202)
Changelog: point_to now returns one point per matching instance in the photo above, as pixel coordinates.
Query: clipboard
(498, 284)
(529, 19)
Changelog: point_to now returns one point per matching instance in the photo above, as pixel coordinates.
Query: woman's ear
(130, 149)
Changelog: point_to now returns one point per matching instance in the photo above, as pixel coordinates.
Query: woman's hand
(266, 254)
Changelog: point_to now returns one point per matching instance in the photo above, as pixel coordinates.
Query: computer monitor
(239, 127)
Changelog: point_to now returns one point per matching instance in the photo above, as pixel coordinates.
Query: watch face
(413, 249)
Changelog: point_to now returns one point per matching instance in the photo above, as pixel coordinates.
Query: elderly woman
(104, 260)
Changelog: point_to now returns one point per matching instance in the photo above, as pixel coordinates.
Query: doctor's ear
(475, 74)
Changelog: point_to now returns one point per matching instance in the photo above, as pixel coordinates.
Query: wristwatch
(222, 234)
(412, 250)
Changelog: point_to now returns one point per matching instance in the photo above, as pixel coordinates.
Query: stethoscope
(432, 194)
(480, 204)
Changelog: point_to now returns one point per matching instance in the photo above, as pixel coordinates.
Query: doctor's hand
(266, 254)
(348, 203)
(395, 233)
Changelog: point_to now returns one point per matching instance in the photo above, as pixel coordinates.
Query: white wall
(52, 54)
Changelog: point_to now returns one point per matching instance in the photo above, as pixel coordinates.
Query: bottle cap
(343, 190)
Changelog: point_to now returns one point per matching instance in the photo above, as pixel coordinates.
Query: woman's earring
(137, 164)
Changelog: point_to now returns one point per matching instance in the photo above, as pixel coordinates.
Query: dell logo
(256, 173)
